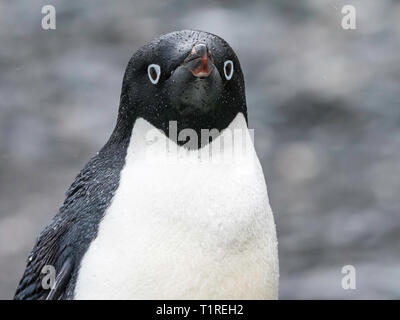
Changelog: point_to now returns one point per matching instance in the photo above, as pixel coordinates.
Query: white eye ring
(228, 69)
(154, 73)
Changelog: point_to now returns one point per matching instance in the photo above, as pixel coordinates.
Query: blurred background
(324, 103)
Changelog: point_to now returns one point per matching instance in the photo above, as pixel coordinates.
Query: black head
(191, 77)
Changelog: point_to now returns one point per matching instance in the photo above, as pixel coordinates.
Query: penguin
(150, 216)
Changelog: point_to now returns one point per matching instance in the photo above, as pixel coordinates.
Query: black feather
(63, 243)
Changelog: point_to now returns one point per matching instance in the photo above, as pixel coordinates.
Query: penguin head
(190, 77)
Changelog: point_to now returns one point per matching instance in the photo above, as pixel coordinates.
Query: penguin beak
(199, 61)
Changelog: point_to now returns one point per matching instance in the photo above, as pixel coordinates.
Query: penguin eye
(154, 72)
(228, 69)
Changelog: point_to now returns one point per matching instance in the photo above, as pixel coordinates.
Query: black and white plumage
(133, 229)
(64, 242)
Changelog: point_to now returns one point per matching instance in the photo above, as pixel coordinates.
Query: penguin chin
(194, 95)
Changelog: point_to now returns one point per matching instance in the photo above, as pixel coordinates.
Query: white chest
(180, 227)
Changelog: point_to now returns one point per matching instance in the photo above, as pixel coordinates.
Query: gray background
(324, 103)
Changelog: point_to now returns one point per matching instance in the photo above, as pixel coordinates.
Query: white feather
(183, 227)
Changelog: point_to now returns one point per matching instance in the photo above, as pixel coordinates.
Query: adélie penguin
(165, 211)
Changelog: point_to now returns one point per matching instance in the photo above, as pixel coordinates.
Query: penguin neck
(195, 134)
(172, 119)
(150, 144)
(181, 128)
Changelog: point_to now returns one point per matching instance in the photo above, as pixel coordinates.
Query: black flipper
(62, 281)
(49, 250)
(63, 243)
